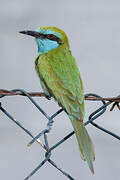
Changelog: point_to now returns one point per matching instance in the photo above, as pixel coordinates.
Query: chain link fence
(105, 102)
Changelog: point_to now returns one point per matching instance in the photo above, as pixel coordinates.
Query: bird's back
(60, 76)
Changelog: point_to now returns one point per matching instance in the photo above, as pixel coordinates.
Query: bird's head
(48, 38)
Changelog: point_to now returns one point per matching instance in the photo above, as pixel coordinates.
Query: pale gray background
(93, 28)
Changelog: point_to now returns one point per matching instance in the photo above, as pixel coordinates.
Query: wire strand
(114, 101)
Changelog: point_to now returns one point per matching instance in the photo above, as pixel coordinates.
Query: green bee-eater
(60, 78)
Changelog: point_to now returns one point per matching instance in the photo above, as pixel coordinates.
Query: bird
(60, 78)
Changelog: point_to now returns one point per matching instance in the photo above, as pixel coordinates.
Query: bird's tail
(84, 142)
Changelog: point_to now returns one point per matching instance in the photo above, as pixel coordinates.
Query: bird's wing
(62, 76)
(69, 87)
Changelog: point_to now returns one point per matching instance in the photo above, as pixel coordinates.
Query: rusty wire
(114, 101)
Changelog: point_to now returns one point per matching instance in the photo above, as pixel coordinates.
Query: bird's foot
(47, 97)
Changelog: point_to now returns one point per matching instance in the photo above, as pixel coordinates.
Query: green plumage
(60, 78)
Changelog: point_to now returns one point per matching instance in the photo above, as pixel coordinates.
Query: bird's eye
(51, 36)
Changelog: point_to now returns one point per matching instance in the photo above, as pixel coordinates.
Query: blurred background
(93, 28)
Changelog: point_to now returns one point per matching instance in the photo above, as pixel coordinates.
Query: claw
(48, 98)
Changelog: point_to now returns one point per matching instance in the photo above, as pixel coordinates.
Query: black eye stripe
(51, 36)
(54, 38)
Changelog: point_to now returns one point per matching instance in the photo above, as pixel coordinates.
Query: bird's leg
(47, 97)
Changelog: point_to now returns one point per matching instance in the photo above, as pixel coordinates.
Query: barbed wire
(114, 101)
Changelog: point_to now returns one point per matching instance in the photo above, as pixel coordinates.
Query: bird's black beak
(33, 33)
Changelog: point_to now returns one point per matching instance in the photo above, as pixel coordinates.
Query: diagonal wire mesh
(48, 150)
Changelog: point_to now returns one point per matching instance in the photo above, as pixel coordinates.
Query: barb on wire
(48, 150)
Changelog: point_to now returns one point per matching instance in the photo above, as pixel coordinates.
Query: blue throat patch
(45, 45)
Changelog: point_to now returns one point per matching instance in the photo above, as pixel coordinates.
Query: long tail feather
(85, 143)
